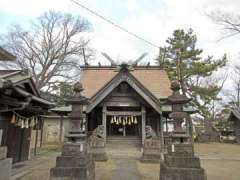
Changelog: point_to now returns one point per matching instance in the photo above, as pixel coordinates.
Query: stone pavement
(125, 169)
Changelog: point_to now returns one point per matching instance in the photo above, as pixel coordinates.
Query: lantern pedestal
(74, 163)
(181, 164)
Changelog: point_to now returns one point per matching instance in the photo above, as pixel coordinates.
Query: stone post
(75, 161)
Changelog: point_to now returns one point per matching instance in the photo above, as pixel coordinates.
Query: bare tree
(229, 23)
(233, 94)
(53, 49)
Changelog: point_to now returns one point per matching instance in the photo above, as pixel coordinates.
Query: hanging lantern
(112, 119)
(129, 121)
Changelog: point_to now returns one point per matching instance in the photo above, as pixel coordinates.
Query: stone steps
(120, 141)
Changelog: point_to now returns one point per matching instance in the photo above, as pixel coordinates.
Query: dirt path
(221, 162)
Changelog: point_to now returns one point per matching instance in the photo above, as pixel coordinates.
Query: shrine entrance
(123, 125)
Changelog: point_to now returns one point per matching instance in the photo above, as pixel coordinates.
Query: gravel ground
(221, 162)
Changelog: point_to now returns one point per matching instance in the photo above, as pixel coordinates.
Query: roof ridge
(115, 68)
(11, 74)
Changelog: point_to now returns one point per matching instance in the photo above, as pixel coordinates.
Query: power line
(114, 24)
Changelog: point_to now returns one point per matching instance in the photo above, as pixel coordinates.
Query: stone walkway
(125, 163)
(125, 169)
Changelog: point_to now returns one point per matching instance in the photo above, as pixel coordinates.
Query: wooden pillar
(61, 129)
(36, 137)
(104, 122)
(143, 124)
(42, 124)
(158, 128)
(161, 138)
(166, 120)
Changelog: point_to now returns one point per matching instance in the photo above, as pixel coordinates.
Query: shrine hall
(125, 99)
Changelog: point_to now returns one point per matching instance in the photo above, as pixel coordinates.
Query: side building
(20, 108)
(235, 118)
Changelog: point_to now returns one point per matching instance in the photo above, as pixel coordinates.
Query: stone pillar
(5, 164)
(75, 161)
(143, 124)
(104, 122)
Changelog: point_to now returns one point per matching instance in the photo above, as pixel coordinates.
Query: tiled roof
(152, 78)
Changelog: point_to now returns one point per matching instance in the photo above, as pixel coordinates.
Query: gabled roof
(6, 56)
(153, 78)
(23, 84)
(124, 76)
(234, 115)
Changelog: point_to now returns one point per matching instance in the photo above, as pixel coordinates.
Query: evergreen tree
(184, 63)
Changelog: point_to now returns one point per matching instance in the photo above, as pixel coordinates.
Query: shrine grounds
(221, 162)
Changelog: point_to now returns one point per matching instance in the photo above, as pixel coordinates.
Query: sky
(153, 20)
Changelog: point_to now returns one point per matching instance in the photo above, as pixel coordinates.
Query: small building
(235, 118)
(55, 125)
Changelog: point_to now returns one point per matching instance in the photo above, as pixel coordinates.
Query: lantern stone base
(181, 173)
(151, 151)
(75, 163)
(181, 164)
(5, 164)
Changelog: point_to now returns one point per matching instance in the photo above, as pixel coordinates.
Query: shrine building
(125, 99)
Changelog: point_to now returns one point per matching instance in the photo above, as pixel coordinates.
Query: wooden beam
(124, 113)
(121, 104)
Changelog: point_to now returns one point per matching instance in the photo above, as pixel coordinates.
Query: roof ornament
(113, 63)
(129, 63)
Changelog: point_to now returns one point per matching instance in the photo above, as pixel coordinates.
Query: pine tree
(184, 63)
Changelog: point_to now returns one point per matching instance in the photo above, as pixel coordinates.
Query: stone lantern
(180, 163)
(75, 161)
(178, 115)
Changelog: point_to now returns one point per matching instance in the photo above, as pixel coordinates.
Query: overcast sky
(153, 20)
